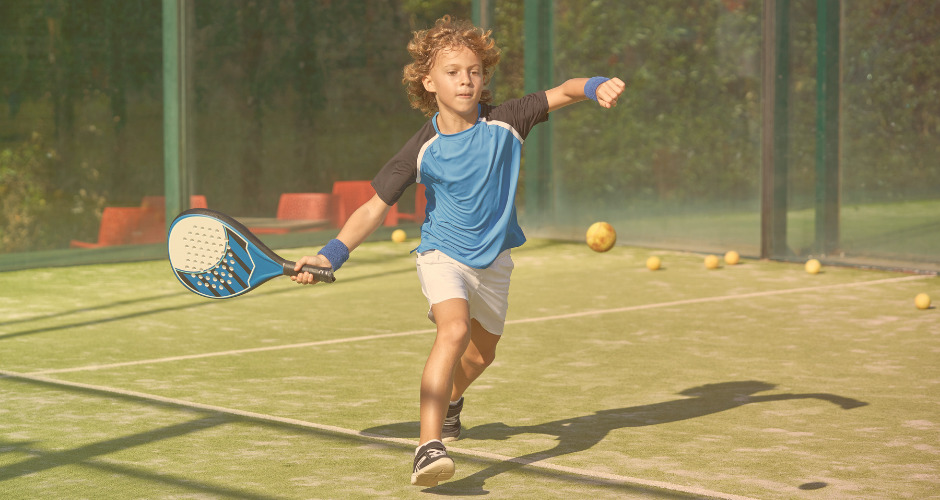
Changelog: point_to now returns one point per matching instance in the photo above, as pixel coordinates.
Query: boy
(467, 156)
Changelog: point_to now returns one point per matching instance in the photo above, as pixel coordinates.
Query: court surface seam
(376, 437)
(596, 312)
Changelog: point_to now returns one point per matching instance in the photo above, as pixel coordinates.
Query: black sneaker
(451, 430)
(432, 465)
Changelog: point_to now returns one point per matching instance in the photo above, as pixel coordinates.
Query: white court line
(597, 312)
(720, 298)
(234, 352)
(540, 464)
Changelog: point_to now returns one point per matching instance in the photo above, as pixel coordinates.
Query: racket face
(213, 259)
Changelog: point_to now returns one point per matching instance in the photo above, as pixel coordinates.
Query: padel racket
(215, 256)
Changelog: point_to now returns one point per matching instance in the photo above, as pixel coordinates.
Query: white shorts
(485, 290)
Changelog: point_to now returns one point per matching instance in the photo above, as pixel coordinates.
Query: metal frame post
(175, 173)
(482, 14)
(828, 82)
(775, 132)
(539, 75)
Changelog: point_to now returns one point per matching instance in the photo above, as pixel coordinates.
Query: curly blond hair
(446, 34)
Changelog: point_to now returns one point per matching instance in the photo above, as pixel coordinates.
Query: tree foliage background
(292, 95)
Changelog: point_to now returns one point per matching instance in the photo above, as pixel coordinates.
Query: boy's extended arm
(363, 222)
(572, 91)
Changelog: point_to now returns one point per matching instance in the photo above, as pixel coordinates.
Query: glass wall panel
(890, 161)
(677, 163)
(80, 122)
(889, 136)
(294, 96)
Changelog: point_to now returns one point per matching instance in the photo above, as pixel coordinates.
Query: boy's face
(456, 77)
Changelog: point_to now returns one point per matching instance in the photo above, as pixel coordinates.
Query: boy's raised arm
(602, 90)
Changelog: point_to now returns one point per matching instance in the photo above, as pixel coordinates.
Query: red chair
(295, 212)
(351, 195)
(304, 206)
(119, 226)
(421, 203)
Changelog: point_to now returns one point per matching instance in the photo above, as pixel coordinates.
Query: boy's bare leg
(476, 358)
(453, 336)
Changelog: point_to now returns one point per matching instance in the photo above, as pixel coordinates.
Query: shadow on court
(87, 456)
(581, 433)
(574, 435)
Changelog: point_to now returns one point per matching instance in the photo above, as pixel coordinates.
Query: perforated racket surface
(215, 256)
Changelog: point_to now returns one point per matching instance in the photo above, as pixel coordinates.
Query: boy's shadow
(581, 433)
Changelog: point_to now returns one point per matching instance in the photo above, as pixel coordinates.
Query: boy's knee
(481, 359)
(454, 331)
(488, 357)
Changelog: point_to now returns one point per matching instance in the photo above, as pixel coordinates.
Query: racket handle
(322, 274)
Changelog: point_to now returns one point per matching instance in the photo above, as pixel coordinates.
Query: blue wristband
(590, 88)
(336, 252)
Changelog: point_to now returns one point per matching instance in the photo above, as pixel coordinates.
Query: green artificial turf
(612, 381)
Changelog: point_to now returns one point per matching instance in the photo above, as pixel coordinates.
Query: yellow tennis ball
(732, 258)
(399, 235)
(653, 263)
(601, 237)
(711, 262)
(922, 301)
(813, 266)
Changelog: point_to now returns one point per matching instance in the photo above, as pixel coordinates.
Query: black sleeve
(402, 170)
(524, 113)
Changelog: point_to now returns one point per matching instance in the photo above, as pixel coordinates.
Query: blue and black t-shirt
(471, 179)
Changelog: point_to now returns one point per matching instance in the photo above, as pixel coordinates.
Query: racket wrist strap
(590, 88)
(336, 252)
